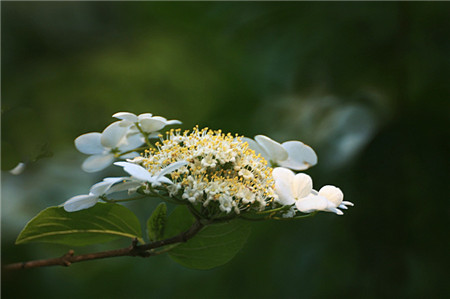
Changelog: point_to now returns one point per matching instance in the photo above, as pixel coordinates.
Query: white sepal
(113, 134)
(275, 151)
(97, 162)
(80, 202)
(128, 116)
(136, 171)
(89, 143)
(300, 156)
(332, 193)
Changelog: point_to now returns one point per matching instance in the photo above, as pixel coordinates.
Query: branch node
(66, 258)
(134, 243)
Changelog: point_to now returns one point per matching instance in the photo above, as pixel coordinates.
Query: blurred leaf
(10, 156)
(156, 222)
(178, 221)
(215, 245)
(101, 223)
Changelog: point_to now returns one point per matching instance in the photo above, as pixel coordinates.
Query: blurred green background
(365, 84)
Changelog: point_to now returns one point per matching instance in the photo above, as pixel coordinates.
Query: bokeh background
(365, 84)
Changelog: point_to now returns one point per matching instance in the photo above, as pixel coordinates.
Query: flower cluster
(213, 172)
(221, 173)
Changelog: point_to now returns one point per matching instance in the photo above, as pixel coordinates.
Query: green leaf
(180, 220)
(101, 223)
(215, 245)
(157, 222)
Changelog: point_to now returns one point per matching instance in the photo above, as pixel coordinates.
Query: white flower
(290, 154)
(291, 187)
(20, 167)
(142, 174)
(107, 186)
(297, 188)
(106, 146)
(146, 121)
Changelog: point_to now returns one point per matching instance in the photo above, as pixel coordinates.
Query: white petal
(347, 203)
(20, 167)
(252, 144)
(151, 125)
(312, 203)
(115, 179)
(102, 187)
(275, 151)
(301, 156)
(89, 144)
(335, 210)
(113, 134)
(97, 162)
(80, 202)
(171, 167)
(302, 185)
(173, 122)
(127, 185)
(333, 194)
(342, 206)
(157, 182)
(144, 116)
(284, 192)
(136, 171)
(131, 142)
(284, 174)
(130, 155)
(167, 122)
(128, 116)
(163, 119)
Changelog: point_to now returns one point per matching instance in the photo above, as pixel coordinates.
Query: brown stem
(133, 250)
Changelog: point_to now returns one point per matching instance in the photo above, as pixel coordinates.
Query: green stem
(147, 140)
(274, 210)
(134, 150)
(194, 211)
(297, 217)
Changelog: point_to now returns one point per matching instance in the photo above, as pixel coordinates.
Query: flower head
(220, 172)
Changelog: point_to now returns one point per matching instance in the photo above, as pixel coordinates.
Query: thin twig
(133, 250)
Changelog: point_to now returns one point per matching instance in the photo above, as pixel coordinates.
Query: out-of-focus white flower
(20, 167)
(107, 186)
(142, 174)
(147, 122)
(297, 189)
(290, 154)
(106, 146)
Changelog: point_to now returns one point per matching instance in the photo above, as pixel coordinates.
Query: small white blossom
(147, 122)
(106, 146)
(290, 154)
(107, 186)
(291, 187)
(297, 189)
(20, 167)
